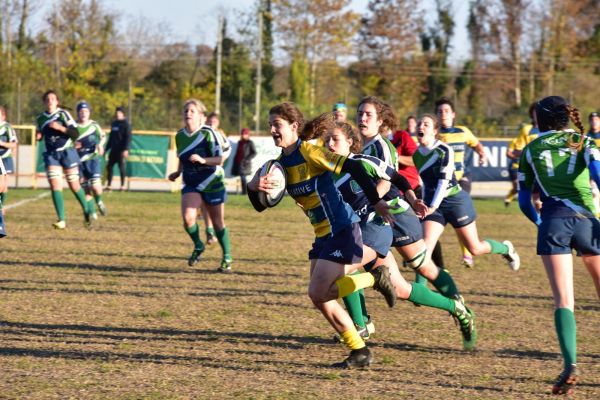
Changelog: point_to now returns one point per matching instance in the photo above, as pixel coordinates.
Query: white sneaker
(59, 225)
(513, 259)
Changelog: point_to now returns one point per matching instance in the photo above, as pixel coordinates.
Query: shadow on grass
(539, 355)
(114, 268)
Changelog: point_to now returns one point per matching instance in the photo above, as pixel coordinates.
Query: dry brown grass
(116, 313)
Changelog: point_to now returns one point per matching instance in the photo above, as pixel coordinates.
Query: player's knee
(418, 260)
(73, 177)
(53, 174)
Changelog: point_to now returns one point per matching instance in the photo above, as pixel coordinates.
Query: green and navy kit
(561, 172)
(436, 168)
(204, 143)
(7, 134)
(353, 194)
(309, 172)
(53, 139)
(382, 148)
(90, 136)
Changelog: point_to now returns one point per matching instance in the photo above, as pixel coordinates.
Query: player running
(8, 143)
(199, 156)
(90, 148)
(338, 246)
(446, 201)
(59, 130)
(459, 138)
(561, 163)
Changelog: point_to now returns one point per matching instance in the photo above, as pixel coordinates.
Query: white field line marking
(20, 203)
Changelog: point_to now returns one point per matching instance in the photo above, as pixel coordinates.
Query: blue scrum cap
(83, 104)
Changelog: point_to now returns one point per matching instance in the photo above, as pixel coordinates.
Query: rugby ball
(273, 197)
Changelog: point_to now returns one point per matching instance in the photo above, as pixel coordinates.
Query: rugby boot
(102, 208)
(383, 284)
(512, 258)
(225, 267)
(466, 321)
(195, 257)
(59, 225)
(566, 381)
(361, 358)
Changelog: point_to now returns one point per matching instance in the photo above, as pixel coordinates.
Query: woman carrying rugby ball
(338, 244)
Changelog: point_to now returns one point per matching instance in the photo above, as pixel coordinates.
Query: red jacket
(406, 146)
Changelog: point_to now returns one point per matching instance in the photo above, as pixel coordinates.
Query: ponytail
(575, 141)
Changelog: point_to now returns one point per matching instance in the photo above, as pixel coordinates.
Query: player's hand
(78, 145)
(125, 153)
(482, 159)
(383, 209)
(195, 158)
(420, 208)
(174, 175)
(57, 126)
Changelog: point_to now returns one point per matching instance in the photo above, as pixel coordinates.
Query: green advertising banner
(147, 157)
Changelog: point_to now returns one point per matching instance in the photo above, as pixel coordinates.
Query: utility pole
(240, 109)
(130, 101)
(219, 61)
(259, 70)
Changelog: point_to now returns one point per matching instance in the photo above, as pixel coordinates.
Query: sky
(186, 21)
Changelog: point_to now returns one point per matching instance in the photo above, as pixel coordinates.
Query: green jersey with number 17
(561, 172)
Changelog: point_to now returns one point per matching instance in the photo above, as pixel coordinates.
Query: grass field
(116, 313)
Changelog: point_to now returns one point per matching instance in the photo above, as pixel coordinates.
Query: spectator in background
(118, 146)
(340, 112)
(242, 162)
(8, 142)
(411, 125)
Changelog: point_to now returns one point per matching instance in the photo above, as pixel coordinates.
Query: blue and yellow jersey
(526, 135)
(309, 170)
(595, 136)
(7, 134)
(53, 139)
(458, 138)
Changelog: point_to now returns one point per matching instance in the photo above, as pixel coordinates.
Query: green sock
(2, 198)
(363, 305)
(194, 233)
(223, 237)
(566, 329)
(59, 204)
(91, 206)
(497, 247)
(98, 198)
(420, 294)
(80, 195)
(420, 279)
(210, 232)
(445, 284)
(352, 302)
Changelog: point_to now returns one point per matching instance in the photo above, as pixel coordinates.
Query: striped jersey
(382, 149)
(90, 136)
(561, 172)
(433, 164)
(595, 136)
(7, 134)
(53, 139)
(526, 135)
(353, 194)
(458, 138)
(309, 172)
(204, 143)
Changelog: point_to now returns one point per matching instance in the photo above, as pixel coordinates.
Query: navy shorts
(345, 247)
(561, 235)
(377, 236)
(407, 228)
(90, 169)
(9, 165)
(66, 158)
(513, 173)
(457, 210)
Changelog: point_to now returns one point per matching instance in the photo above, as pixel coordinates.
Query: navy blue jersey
(53, 139)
